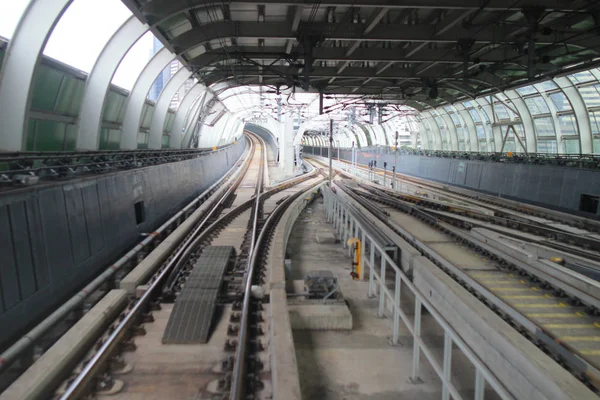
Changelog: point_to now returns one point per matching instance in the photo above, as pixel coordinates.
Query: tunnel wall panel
(549, 186)
(266, 135)
(57, 237)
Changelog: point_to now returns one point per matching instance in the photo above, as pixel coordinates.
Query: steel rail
(570, 355)
(77, 387)
(497, 204)
(237, 378)
(239, 368)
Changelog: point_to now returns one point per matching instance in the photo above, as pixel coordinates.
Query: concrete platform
(526, 371)
(45, 374)
(325, 237)
(284, 378)
(359, 364)
(320, 317)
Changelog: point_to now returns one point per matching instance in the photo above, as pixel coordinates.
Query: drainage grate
(194, 309)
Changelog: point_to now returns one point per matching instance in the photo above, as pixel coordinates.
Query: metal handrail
(15, 166)
(333, 207)
(589, 161)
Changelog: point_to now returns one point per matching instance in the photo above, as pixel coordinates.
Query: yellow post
(357, 262)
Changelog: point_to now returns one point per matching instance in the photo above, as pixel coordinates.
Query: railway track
(502, 207)
(555, 309)
(565, 240)
(233, 364)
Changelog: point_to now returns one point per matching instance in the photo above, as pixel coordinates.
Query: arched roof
(443, 58)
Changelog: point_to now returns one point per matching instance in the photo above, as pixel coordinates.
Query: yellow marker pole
(357, 263)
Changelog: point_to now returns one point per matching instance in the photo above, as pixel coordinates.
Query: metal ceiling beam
(339, 54)
(374, 19)
(387, 32)
(297, 15)
(358, 74)
(158, 10)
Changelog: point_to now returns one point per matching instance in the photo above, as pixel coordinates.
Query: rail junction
(300, 200)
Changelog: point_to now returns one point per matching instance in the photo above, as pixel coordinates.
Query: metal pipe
(12, 353)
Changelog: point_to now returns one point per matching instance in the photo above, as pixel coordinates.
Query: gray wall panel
(68, 232)
(80, 243)
(56, 231)
(8, 273)
(551, 186)
(22, 249)
(266, 135)
(38, 248)
(93, 217)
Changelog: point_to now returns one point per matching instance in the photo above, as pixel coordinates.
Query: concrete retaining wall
(559, 188)
(57, 237)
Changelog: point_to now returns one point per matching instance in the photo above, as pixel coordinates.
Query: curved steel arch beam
(18, 68)
(450, 128)
(98, 82)
(580, 111)
(161, 108)
(472, 130)
(526, 119)
(184, 106)
(137, 97)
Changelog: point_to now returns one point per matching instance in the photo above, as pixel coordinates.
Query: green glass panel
(45, 89)
(165, 141)
(142, 140)
(66, 94)
(102, 144)
(122, 108)
(30, 140)
(114, 139)
(77, 97)
(170, 121)
(596, 145)
(147, 116)
(112, 106)
(70, 137)
(1, 55)
(572, 146)
(49, 136)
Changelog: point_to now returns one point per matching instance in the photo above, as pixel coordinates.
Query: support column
(286, 146)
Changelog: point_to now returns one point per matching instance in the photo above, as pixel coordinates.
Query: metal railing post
(397, 293)
(447, 366)
(479, 384)
(363, 255)
(416, 347)
(381, 314)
